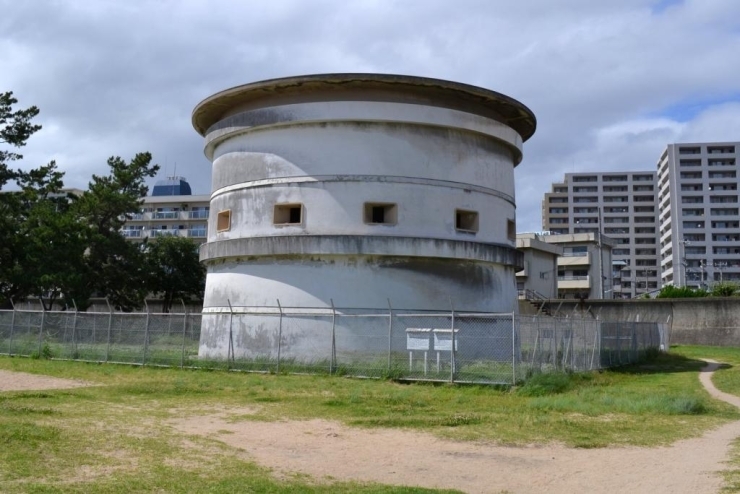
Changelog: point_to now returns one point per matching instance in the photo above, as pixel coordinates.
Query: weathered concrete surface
(361, 281)
(247, 249)
(700, 321)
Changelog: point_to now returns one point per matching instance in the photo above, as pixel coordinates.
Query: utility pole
(601, 260)
(682, 260)
(645, 274)
(720, 266)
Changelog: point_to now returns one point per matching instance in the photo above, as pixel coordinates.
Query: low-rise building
(539, 278)
(584, 270)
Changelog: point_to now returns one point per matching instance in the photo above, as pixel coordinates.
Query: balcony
(573, 282)
(197, 233)
(199, 214)
(131, 233)
(574, 259)
(166, 215)
(163, 233)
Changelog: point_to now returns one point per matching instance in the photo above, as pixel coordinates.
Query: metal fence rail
(452, 346)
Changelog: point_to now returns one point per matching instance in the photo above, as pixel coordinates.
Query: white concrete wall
(332, 157)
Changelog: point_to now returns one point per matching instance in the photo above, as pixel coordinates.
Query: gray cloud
(610, 82)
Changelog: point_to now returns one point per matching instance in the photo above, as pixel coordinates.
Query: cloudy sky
(611, 82)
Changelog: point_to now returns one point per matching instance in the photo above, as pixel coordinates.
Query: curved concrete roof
(367, 87)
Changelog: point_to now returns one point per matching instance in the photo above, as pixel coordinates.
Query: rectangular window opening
(223, 221)
(288, 214)
(380, 213)
(511, 229)
(466, 221)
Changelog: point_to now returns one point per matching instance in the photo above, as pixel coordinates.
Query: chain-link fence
(490, 348)
(136, 338)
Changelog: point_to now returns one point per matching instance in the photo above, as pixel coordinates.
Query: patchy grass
(113, 437)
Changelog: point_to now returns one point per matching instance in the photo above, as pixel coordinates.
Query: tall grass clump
(544, 384)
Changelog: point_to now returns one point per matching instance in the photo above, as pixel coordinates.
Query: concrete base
(364, 282)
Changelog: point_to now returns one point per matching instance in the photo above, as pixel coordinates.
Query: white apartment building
(622, 206)
(171, 210)
(699, 220)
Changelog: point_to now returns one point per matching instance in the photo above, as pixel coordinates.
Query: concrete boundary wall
(700, 321)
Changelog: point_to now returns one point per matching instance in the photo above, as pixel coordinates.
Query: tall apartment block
(699, 220)
(171, 210)
(619, 205)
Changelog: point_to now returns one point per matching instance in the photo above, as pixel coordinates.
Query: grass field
(107, 439)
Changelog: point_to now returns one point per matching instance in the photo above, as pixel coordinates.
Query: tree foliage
(64, 247)
(116, 267)
(175, 271)
(15, 129)
(22, 214)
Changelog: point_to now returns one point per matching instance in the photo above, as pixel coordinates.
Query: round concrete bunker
(356, 189)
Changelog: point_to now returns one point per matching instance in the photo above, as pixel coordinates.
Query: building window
(380, 213)
(288, 214)
(466, 221)
(511, 229)
(223, 221)
(720, 149)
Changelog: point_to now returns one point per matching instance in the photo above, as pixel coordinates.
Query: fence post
(390, 333)
(452, 341)
(333, 362)
(146, 334)
(564, 359)
(12, 329)
(230, 353)
(110, 326)
(75, 356)
(66, 325)
(41, 326)
(596, 338)
(534, 357)
(280, 336)
(184, 331)
(513, 349)
(633, 343)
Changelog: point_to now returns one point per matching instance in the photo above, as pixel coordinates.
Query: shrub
(724, 289)
(670, 291)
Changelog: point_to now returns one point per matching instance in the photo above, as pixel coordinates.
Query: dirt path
(323, 448)
(21, 381)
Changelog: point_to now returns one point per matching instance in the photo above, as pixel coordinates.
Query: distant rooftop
(172, 186)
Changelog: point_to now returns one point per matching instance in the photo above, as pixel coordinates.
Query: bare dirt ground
(21, 381)
(325, 449)
(328, 450)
